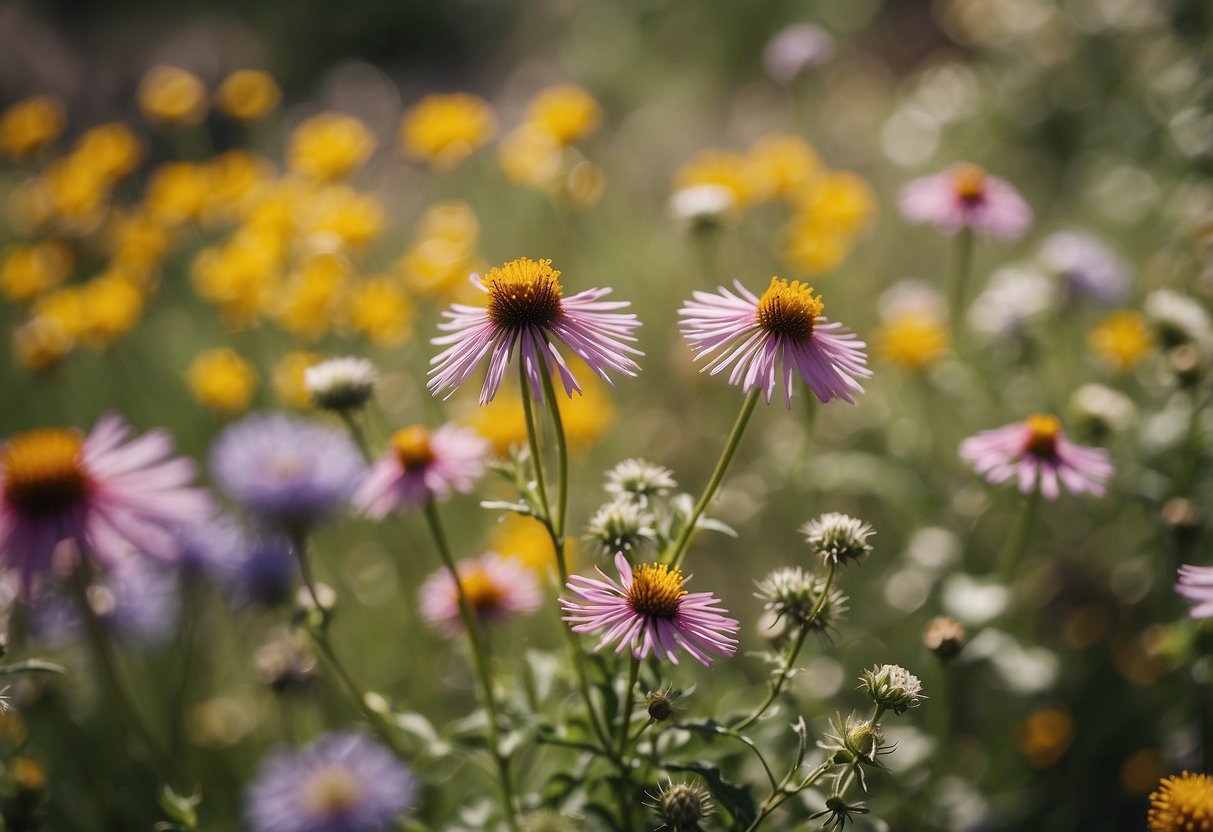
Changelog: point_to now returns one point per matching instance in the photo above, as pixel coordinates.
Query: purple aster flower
(421, 465)
(1035, 450)
(253, 566)
(1196, 586)
(138, 603)
(649, 610)
(777, 335)
(112, 497)
(967, 197)
(342, 782)
(796, 48)
(496, 588)
(526, 309)
(288, 472)
(1086, 267)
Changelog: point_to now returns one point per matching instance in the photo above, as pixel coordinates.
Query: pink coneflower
(421, 465)
(1196, 586)
(112, 498)
(649, 610)
(779, 334)
(496, 588)
(526, 309)
(967, 197)
(1035, 450)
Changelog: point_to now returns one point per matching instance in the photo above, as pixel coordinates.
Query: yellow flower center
(331, 791)
(656, 590)
(43, 471)
(1182, 804)
(789, 309)
(1043, 430)
(412, 447)
(912, 341)
(483, 594)
(523, 292)
(969, 181)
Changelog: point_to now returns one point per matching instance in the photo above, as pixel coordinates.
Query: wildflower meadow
(558, 416)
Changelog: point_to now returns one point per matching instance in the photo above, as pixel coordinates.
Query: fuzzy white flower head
(1013, 298)
(892, 687)
(340, 383)
(791, 592)
(703, 206)
(837, 538)
(620, 526)
(1102, 409)
(640, 481)
(1179, 319)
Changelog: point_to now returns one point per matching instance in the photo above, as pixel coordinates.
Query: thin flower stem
(781, 793)
(785, 671)
(382, 727)
(357, 433)
(1017, 544)
(962, 264)
(562, 462)
(625, 708)
(679, 549)
(299, 544)
(635, 736)
(532, 436)
(480, 661)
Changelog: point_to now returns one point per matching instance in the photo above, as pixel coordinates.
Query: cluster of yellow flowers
(540, 152)
(443, 254)
(829, 208)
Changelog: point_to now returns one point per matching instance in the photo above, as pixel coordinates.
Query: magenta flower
(650, 611)
(775, 336)
(1196, 586)
(496, 588)
(421, 465)
(111, 497)
(526, 309)
(1035, 450)
(967, 197)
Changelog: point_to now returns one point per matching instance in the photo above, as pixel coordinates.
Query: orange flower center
(1043, 430)
(656, 590)
(789, 309)
(969, 181)
(483, 594)
(43, 471)
(412, 447)
(1182, 804)
(332, 791)
(523, 292)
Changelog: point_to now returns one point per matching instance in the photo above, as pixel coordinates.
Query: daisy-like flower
(496, 588)
(288, 472)
(1196, 586)
(111, 497)
(1035, 450)
(649, 610)
(340, 384)
(967, 197)
(526, 310)
(766, 340)
(341, 782)
(421, 465)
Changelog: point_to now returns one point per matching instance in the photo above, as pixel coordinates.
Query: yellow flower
(838, 198)
(172, 95)
(241, 277)
(177, 192)
(111, 305)
(585, 185)
(813, 247)
(41, 343)
(566, 113)
(288, 378)
(341, 214)
(453, 221)
(330, 146)
(529, 156)
(527, 539)
(247, 95)
(789, 161)
(748, 183)
(309, 302)
(436, 267)
(271, 208)
(76, 191)
(65, 308)
(109, 151)
(136, 241)
(912, 340)
(1122, 340)
(233, 176)
(380, 310)
(30, 125)
(443, 130)
(29, 270)
(1045, 736)
(1182, 803)
(222, 380)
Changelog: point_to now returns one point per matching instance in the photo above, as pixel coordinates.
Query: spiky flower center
(523, 292)
(484, 595)
(789, 308)
(969, 181)
(1182, 804)
(331, 791)
(656, 590)
(412, 447)
(43, 471)
(1043, 430)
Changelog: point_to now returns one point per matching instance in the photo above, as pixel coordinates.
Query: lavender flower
(138, 603)
(1196, 586)
(1086, 267)
(1035, 451)
(796, 48)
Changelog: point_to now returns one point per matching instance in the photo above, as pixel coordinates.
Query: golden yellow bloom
(453, 221)
(566, 113)
(380, 310)
(813, 247)
(748, 183)
(109, 151)
(111, 305)
(789, 162)
(911, 340)
(233, 177)
(41, 343)
(247, 95)
(1045, 736)
(272, 209)
(76, 191)
(222, 380)
(242, 276)
(330, 146)
(29, 206)
(29, 270)
(172, 95)
(288, 378)
(136, 241)
(1182, 803)
(337, 215)
(529, 156)
(838, 198)
(443, 130)
(585, 185)
(435, 267)
(527, 539)
(1122, 340)
(177, 192)
(65, 308)
(30, 125)
(309, 303)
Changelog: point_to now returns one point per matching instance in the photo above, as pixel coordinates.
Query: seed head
(838, 538)
(892, 687)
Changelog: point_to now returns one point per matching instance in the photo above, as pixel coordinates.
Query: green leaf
(31, 666)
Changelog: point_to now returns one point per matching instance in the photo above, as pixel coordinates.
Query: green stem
(357, 433)
(781, 793)
(962, 264)
(625, 708)
(562, 461)
(1017, 544)
(354, 690)
(532, 436)
(679, 549)
(299, 544)
(480, 662)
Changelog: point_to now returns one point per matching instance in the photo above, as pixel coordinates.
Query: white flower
(621, 526)
(340, 383)
(1013, 298)
(703, 205)
(837, 538)
(1179, 319)
(639, 480)
(1102, 408)
(893, 687)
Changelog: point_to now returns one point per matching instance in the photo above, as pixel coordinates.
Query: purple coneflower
(496, 589)
(649, 610)
(1036, 451)
(138, 604)
(779, 334)
(288, 472)
(111, 497)
(967, 197)
(341, 782)
(526, 309)
(1196, 586)
(421, 465)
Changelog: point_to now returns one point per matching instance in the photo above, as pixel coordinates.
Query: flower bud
(660, 705)
(862, 739)
(340, 384)
(838, 538)
(892, 687)
(639, 481)
(619, 527)
(680, 806)
(945, 637)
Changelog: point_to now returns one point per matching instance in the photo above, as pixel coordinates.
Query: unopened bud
(945, 637)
